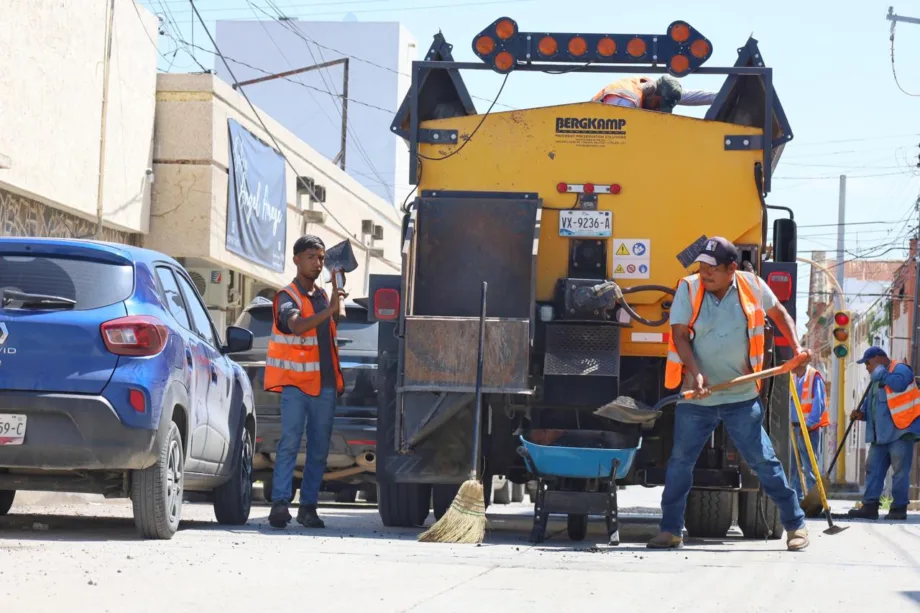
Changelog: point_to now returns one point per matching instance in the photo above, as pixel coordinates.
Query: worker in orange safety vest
(891, 411)
(662, 94)
(809, 385)
(302, 364)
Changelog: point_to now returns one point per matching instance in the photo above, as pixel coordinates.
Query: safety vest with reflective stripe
(629, 89)
(808, 398)
(904, 406)
(294, 360)
(751, 299)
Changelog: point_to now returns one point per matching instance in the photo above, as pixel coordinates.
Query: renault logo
(3, 333)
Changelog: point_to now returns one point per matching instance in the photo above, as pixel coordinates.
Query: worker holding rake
(717, 334)
(810, 387)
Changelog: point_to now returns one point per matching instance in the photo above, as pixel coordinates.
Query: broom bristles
(464, 521)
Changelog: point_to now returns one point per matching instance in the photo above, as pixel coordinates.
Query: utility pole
(915, 328)
(107, 60)
(340, 157)
(839, 369)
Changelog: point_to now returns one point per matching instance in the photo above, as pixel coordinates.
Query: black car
(352, 460)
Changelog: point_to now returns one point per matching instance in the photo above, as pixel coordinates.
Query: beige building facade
(189, 205)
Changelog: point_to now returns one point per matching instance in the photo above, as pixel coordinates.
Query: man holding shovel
(810, 386)
(302, 365)
(717, 334)
(891, 411)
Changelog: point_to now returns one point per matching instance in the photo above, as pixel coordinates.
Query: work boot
(897, 513)
(279, 517)
(797, 540)
(307, 517)
(869, 510)
(665, 540)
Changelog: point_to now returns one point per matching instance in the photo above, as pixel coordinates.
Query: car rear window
(90, 283)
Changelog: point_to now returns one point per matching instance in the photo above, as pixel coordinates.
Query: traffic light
(841, 333)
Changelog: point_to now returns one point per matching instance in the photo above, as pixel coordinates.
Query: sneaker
(869, 510)
(279, 517)
(307, 517)
(665, 540)
(897, 513)
(797, 540)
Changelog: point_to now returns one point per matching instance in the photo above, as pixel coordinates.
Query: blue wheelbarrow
(576, 473)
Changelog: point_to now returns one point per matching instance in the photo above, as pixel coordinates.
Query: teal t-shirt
(720, 344)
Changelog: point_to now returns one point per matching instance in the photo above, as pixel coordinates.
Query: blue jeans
(817, 443)
(898, 455)
(693, 426)
(317, 414)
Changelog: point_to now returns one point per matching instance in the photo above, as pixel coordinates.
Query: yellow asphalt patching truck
(546, 205)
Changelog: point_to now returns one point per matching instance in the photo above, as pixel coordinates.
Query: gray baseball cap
(670, 91)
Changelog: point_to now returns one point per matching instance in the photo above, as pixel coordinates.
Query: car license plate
(585, 223)
(12, 429)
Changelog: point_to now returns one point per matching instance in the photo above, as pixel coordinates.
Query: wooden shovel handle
(757, 376)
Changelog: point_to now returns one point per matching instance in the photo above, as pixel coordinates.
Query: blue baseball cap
(872, 352)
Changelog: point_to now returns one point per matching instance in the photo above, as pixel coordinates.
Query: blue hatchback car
(113, 380)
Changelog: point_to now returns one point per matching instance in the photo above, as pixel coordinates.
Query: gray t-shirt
(720, 342)
(287, 307)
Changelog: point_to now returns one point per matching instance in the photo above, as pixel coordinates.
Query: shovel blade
(836, 530)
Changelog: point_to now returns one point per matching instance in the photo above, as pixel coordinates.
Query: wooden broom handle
(335, 287)
(757, 376)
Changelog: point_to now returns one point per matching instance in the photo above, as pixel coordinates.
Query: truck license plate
(12, 429)
(585, 223)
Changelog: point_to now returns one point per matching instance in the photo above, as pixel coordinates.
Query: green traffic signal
(841, 351)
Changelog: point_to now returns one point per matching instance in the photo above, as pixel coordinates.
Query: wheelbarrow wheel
(577, 527)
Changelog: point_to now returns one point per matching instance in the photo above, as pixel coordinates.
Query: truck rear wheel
(755, 524)
(6, 501)
(708, 513)
(577, 527)
(442, 496)
(403, 505)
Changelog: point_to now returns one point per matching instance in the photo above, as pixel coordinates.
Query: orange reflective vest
(751, 299)
(294, 360)
(629, 89)
(904, 406)
(808, 397)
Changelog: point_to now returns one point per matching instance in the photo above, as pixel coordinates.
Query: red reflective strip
(666, 337)
(363, 443)
(781, 341)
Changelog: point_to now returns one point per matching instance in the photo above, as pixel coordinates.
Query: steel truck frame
(555, 351)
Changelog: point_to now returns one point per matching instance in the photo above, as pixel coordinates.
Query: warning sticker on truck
(632, 258)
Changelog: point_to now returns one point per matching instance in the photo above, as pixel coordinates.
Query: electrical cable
(261, 121)
(894, 72)
(473, 133)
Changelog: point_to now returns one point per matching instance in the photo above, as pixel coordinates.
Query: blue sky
(832, 70)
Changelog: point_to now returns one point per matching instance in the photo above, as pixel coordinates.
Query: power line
(894, 71)
(259, 116)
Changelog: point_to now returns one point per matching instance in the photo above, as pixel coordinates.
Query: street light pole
(838, 367)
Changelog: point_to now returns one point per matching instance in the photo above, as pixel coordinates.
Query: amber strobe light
(548, 46)
(485, 45)
(505, 29)
(606, 47)
(578, 47)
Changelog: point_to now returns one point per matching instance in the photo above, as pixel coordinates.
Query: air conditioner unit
(378, 233)
(261, 290)
(320, 192)
(213, 284)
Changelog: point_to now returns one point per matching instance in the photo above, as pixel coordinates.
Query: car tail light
(137, 400)
(386, 304)
(139, 335)
(781, 284)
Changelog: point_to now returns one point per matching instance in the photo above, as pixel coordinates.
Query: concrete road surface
(77, 554)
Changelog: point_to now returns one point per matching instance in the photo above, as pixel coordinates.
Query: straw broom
(465, 520)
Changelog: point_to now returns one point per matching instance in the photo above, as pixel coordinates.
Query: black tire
(6, 501)
(442, 496)
(577, 527)
(517, 492)
(233, 499)
(346, 495)
(751, 520)
(370, 495)
(503, 494)
(268, 484)
(403, 505)
(708, 513)
(156, 492)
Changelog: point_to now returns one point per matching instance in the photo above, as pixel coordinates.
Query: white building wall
(303, 104)
(51, 76)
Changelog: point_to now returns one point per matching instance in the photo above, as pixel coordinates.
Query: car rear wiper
(30, 301)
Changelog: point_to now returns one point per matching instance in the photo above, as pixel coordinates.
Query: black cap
(670, 91)
(717, 251)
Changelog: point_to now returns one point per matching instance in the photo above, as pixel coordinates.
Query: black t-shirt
(287, 307)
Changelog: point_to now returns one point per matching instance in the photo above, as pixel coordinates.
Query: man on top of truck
(662, 94)
(717, 334)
